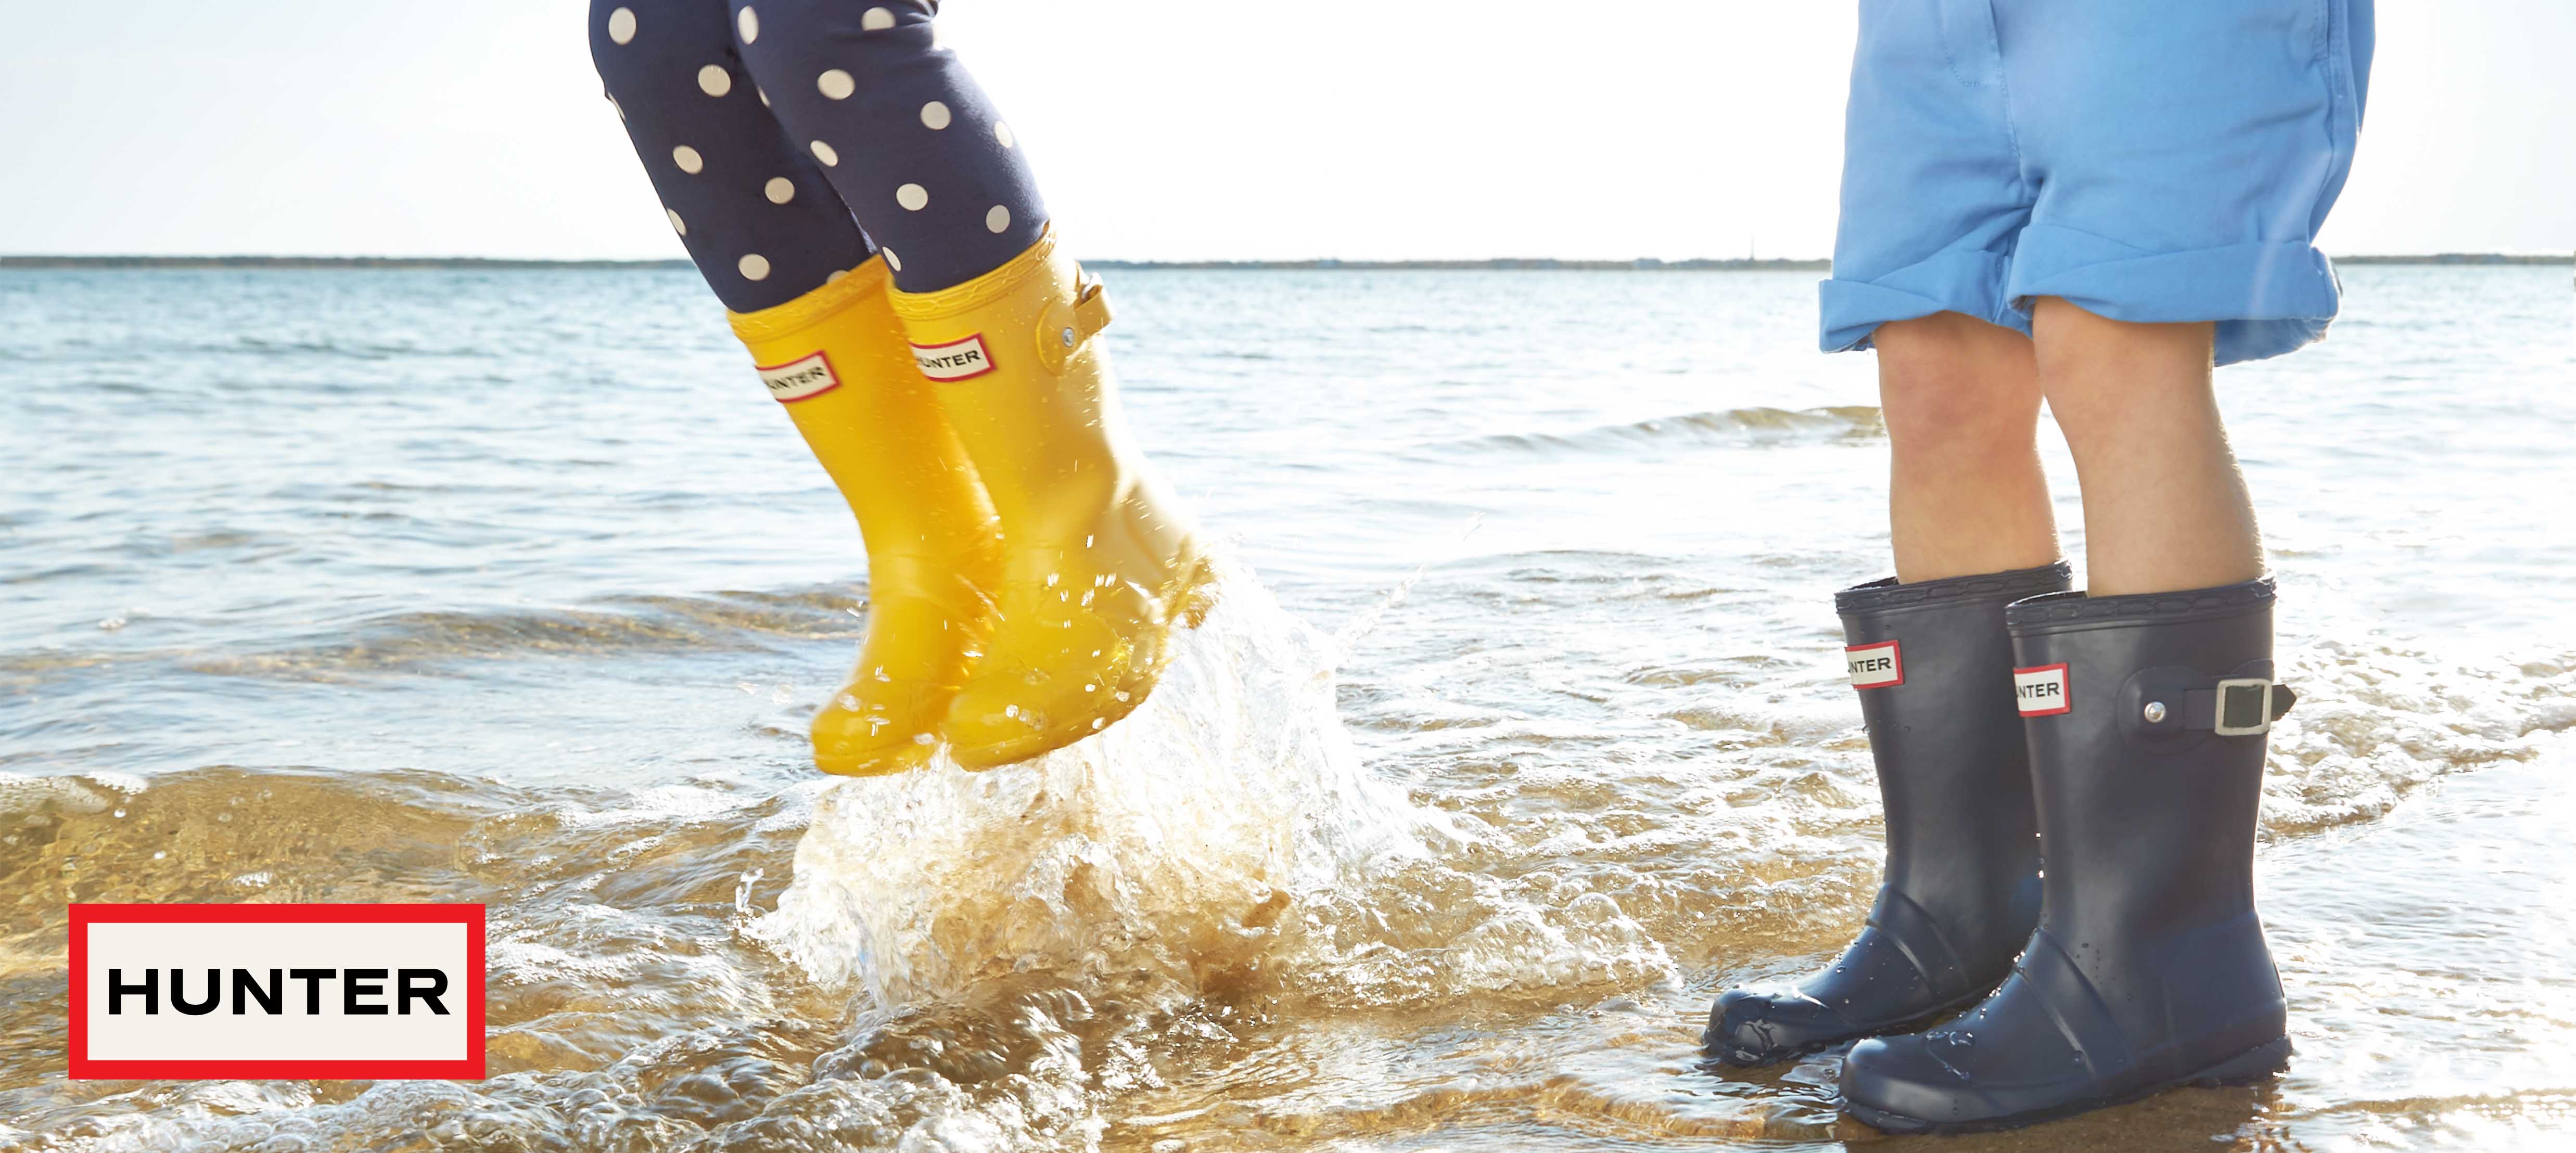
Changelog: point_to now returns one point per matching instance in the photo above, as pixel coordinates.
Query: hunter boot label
(2041, 692)
(956, 360)
(1877, 666)
(800, 378)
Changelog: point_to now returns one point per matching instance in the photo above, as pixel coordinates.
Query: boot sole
(1774, 1056)
(2253, 1066)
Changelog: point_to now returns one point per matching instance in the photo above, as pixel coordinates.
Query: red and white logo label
(955, 360)
(276, 991)
(2041, 692)
(799, 378)
(1875, 666)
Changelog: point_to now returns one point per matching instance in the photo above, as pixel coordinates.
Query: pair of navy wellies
(2119, 739)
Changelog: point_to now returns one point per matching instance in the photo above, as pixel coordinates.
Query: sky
(1159, 129)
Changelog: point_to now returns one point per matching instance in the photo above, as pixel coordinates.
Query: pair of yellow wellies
(1025, 570)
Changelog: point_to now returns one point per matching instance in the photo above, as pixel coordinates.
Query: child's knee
(1947, 413)
(1944, 382)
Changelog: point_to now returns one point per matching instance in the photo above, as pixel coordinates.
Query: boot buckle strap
(2237, 707)
(2176, 700)
(1065, 327)
(1090, 307)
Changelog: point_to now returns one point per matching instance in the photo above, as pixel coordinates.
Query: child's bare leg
(1965, 494)
(2164, 505)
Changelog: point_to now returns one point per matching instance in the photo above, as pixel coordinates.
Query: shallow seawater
(1517, 734)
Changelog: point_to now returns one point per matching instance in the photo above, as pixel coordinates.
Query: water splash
(1169, 844)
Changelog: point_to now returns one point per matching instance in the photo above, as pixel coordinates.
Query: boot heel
(2260, 1063)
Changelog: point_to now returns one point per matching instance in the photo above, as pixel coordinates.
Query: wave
(1733, 426)
(415, 641)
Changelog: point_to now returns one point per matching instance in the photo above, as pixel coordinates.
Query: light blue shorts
(2146, 160)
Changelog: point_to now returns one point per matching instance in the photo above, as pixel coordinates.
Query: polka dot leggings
(789, 139)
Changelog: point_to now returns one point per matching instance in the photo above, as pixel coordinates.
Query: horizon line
(1499, 263)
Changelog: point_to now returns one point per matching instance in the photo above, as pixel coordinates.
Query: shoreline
(1496, 264)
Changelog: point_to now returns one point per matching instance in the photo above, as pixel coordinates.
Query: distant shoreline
(1500, 264)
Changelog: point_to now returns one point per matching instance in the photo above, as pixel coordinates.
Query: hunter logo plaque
(276, 991)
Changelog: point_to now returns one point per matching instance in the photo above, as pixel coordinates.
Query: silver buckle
(2262, 712)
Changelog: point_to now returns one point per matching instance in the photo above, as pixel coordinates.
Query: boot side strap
(1090, 307)
(1063, 330)
(2181, 700)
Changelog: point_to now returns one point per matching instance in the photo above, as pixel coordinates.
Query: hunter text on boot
(1875, 666)
(800, 378)
(955, 360)
(2041, 691)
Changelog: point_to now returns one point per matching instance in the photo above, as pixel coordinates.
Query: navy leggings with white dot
(789, 139)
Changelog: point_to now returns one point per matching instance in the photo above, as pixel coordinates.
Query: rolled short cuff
(1970, 283)
(2268, 297)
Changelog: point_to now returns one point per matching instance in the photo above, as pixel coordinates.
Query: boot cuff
(1035, 260)
(814, 307)
(2075, 611)
(1884, 594)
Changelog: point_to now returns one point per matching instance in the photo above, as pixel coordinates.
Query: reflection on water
(508, 588)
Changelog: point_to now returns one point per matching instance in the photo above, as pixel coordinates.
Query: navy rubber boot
(1933, 666)
(2147, 718)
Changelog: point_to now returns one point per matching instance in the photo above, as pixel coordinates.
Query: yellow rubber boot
(1098, 563)
(837, 359)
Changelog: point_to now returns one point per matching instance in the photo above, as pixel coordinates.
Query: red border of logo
(83, 916)
(2065, 689)
(974, 338)
(1892, 650)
